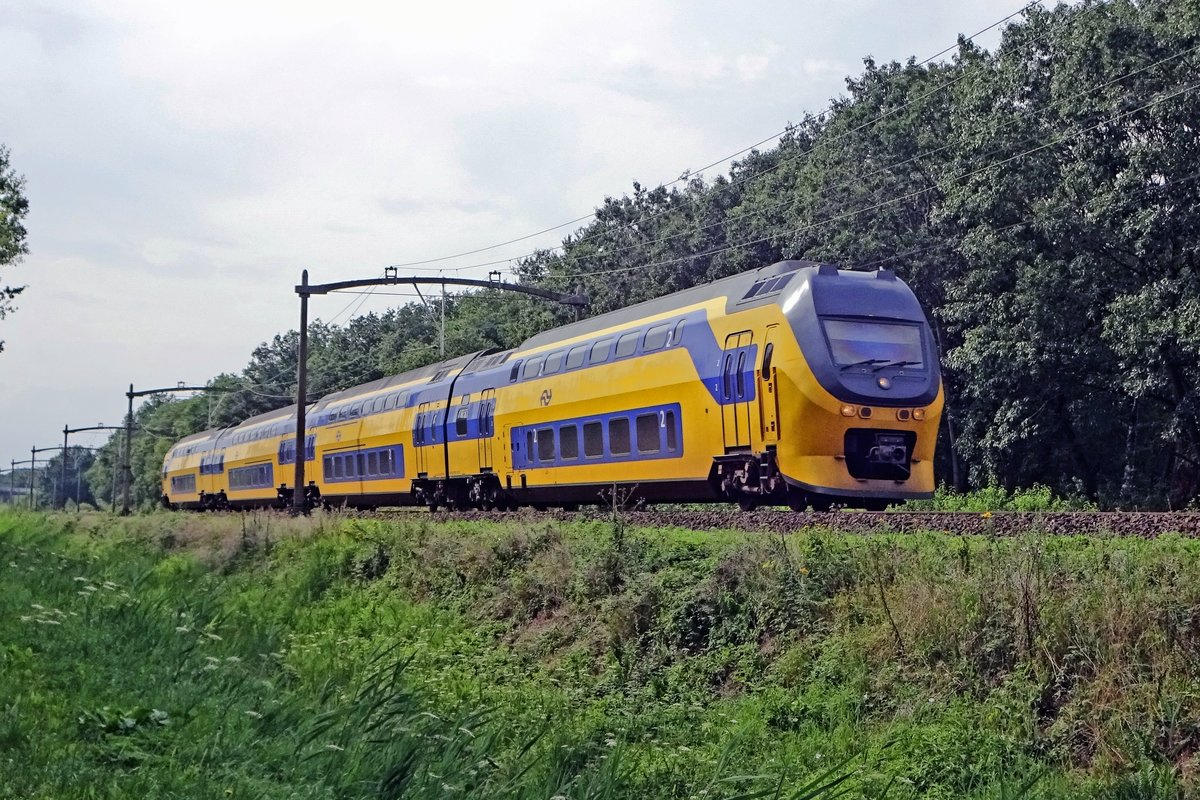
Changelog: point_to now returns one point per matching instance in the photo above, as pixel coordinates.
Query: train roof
(429, 371)
(732, 289)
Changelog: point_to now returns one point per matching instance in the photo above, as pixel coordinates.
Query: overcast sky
(184, 161)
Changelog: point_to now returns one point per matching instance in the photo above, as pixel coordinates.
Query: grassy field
(255, 656)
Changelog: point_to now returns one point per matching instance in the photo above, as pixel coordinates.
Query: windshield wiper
(864, 363)
(895, 364)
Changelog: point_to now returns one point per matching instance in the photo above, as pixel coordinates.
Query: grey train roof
(734, 287)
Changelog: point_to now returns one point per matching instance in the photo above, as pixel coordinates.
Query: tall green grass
(258, 656)
(996, 498)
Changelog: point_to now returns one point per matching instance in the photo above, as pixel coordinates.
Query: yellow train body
(795, 383)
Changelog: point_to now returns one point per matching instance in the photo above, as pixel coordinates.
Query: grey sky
(185, 161)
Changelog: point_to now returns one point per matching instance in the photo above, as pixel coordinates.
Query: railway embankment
(262, 656)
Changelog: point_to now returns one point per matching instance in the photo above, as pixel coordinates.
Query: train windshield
(856, 341)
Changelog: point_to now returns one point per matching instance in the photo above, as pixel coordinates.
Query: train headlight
(883, 382)
(918, 413)
(865, 412)
(902, 414)
(849, 411)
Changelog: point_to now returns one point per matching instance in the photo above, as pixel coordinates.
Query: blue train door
(737, 387)
(487, 428)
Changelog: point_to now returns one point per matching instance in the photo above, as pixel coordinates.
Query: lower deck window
(364, 465)
(647, 433)
(259, 476)
(183, 484)
(593, 439)
(568, 442)
(637, 434)
(545, 444)
(618, 436)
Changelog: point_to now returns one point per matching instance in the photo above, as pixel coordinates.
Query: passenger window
(390, 403)
(627, 344)
(656, 337)
(545, 442)
(677, 334)
(532, 367)
(741, 375)
(593, 439)
(727, 377)
(575, 356)
(338, 471)
(600, 351)
(516, 369)
(553, 362)
(568, 442)
(361, 461)
(672, 436)
(460, 423)
(647, 433)
(767, 356)
(618, 436)
(372, 463)
(529, 437)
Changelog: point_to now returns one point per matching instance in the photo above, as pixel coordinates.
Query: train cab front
(859, 422)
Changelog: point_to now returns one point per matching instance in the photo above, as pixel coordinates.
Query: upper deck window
(600, 351)
(864, 342)
(656, 337)
(576, 356)
(627, 344)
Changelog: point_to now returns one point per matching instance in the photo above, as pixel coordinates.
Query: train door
(736, 389)
(768, 389)
(420, 431)
(487, 428)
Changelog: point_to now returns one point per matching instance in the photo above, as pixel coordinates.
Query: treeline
(1043, 201)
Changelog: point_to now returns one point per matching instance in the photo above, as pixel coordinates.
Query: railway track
(1145, 524)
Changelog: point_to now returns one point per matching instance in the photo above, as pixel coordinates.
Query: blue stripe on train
(358, 465)
(640, 434)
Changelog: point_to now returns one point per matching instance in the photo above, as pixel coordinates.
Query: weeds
(260, 656)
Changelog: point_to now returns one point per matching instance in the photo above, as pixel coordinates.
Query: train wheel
(797, 502)
(747, 504)
(821, 504)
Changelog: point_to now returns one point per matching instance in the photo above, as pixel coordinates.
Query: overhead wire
(786, 160)
(882, 204)
(686, 174)
(1011, 121)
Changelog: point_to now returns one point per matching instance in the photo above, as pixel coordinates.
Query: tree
(13, 208)
(76, 489)
(1074, 313)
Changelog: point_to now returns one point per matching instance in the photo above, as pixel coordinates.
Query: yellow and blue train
(795, 384)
